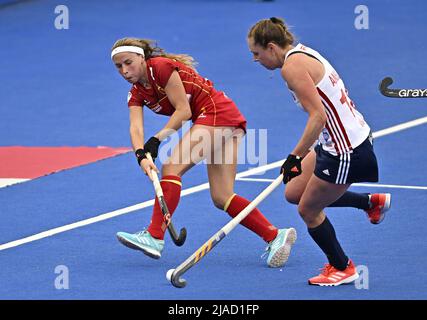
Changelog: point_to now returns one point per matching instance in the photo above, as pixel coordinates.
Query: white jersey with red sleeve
(345, 127)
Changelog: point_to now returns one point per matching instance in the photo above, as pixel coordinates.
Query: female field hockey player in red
(343, 155)
(169, 85)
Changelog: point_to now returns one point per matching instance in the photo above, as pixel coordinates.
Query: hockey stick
(400, 93)
(178, 240)
(175, 277)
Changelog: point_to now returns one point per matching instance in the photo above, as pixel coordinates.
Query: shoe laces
(140, 233)
(327, 269)
(266, 251)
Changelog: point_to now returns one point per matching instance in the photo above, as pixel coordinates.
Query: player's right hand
(147, 166)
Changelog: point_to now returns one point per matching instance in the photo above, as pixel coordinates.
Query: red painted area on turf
(33, 162)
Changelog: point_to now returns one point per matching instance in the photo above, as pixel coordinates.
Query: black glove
(291, 168)
(152, 146)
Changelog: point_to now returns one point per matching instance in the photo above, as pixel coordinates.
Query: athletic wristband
(140, 155)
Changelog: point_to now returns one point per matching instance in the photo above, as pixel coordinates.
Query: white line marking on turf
(99, 218)
(255, 179)
(394, 186)
(400, 127)
(75, 225)
(204, 186)
(4, 182)
(372, 185)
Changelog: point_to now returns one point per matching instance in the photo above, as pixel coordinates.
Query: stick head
(182, 236)
(385, 83)
(177, 281)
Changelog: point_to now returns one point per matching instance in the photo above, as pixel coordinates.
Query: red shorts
(222, 112)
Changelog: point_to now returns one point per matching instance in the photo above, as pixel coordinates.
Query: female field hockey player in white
(319, 178)
(169, 85)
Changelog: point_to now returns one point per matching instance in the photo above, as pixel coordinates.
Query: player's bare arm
(298, 78)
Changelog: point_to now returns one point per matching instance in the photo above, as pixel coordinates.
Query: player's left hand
(291, 168)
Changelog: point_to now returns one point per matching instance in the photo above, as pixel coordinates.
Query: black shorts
(360, 165)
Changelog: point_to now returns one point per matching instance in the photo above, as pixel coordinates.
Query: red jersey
(208, 106)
